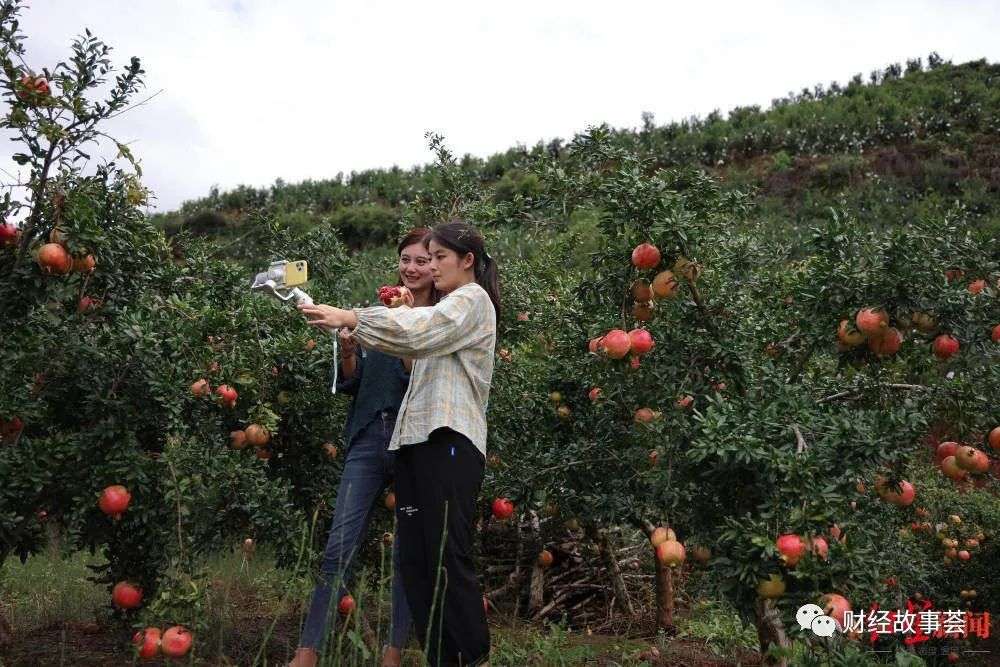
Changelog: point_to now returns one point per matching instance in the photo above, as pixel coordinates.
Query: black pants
(437, 483)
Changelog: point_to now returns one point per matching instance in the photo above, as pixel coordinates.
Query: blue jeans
(367, 472)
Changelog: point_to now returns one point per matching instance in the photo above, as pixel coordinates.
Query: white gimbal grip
(301, 297)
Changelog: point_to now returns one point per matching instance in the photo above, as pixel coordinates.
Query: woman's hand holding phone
(328, 317)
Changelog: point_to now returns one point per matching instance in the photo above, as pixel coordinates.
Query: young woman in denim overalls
(377, 382)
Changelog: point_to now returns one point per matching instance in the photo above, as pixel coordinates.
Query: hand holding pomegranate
(394, 296)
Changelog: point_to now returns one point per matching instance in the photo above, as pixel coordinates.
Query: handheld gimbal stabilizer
(281, 281)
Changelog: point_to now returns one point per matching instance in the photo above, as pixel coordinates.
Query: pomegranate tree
(789, 376)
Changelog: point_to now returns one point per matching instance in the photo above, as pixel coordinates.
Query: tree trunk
(55, 539)
(664, 586)
(664, 596)
(771, 631)
(6, 634)
(536, 597)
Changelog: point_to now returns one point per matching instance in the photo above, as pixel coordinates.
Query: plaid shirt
(452, 346)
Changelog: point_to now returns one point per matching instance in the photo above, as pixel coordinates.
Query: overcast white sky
(254, 90)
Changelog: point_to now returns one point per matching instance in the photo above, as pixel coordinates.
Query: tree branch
(800, 442)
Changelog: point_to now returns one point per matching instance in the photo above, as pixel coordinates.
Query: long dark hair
(417, 235)
(463, 238)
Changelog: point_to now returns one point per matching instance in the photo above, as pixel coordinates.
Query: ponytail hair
(463, 238)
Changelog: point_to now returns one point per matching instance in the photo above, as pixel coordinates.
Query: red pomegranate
(951, 469)
(86, 304)
(32, 85)
(980, 462)
(201, 388)
(670, 553)
(641, 292)
(545, 558)
(176, 642)
(972, 459)
(387, 293)
(819, 547)
(503, 509)
(871, 321)
(54, 260)
(10, 428)
(848, 335)
(945, 449)
(640, 341)
(994, 438)
(645, 415)
(642, 312)
(836, 607)
(902, 498)
(392, 295)
(964, 456)
(85, 264)
(147, 643)
(257, 435)
(791, 547)
(616, 343)
(887, 344)
(995, 336)
(238, 439)
(594, 394)
(662, 534)
(645, 256)
(8, 234)
(114, 501)
(594, 346)
(126, 595)
(227, 394)
(346, 605)
(977, 286)
(945, 346)
(664, 285)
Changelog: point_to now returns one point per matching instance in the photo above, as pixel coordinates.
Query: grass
(254, 614)
(29, 599)
(554, 646)
(719, 627)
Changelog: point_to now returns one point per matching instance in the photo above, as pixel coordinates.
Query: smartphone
(296, 273)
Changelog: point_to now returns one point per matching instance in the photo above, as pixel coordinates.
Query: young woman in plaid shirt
(440, 435)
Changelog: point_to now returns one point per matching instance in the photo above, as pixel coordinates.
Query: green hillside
(886, 149)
